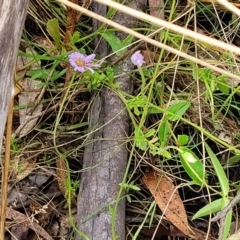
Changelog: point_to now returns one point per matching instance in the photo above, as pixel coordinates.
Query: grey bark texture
(12, 17)
(106, 154)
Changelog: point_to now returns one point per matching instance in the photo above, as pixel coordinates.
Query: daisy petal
(89, 58)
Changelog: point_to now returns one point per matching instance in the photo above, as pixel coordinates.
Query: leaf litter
(168, 200)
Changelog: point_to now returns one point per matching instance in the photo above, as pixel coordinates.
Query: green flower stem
(143, 80)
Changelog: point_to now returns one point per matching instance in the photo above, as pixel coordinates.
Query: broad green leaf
(164, 131)
(210, 208)
(183, 139)
(177, 110)
(53, 30)
(115, 43)
(192, 165)
(223, 181)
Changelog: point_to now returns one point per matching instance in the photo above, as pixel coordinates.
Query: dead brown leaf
(61, 172)
(168, 200)
(22, 219)
(150, 56)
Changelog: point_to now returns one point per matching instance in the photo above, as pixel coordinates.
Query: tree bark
(106, 154)
(12, 17)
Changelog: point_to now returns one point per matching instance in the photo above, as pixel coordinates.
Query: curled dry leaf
(150, 56)
(61, 173)
(168, 200)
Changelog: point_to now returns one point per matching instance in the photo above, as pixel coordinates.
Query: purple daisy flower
(81, 63)
(137, 59)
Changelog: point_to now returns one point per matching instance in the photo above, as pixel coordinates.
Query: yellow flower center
(80, 62)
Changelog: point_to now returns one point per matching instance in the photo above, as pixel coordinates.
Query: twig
(223, 213)
(5, 171)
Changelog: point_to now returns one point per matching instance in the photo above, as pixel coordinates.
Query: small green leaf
(137, 103)
(210, 208)
(183, 139)
(136, 188)
(75, 38)
(177, 110)
(141, 141)
(129, 198)
(192, 165)
(222, 84)
(150, 133)
(166, 154)
(223, 181)
(164, 131)
(110, 74)
(156, 149)
(53, 30)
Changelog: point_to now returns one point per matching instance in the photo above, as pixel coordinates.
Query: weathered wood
(12, 17)
(106, 155)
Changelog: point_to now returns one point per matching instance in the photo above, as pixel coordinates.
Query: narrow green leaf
(223, 181)
(178, 109)
(227, 224)
(233, 160)
(228, 219)
(192, 165)
(53, 30)
(163, 131)
(210, 208)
